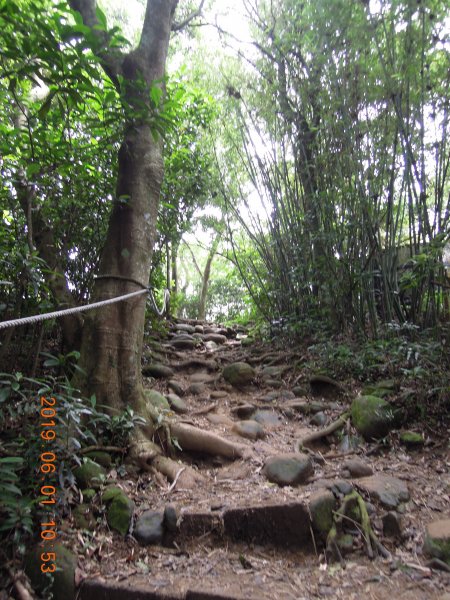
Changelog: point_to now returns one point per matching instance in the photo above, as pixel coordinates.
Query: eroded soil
(204, 561)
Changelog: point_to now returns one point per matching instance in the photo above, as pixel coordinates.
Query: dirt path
(241, 536)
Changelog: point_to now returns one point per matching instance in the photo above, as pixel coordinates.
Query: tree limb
(188, 19)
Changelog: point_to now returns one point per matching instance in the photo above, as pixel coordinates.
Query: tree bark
(112, 337)
(205, 278)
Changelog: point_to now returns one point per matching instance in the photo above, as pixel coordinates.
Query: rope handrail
(77, 309)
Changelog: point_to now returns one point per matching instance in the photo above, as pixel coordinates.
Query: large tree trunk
(112, 336)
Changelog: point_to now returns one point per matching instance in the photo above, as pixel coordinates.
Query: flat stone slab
(389, 490)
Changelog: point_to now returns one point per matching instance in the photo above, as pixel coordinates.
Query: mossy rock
(239, 374)
(321, 506)
(411, 439)
(372, 417)
(88, 494)
(157, 400)
(90, 475)
(111, 492)
(83, 517)
(248, 341)
(100, 457)
(120, 513)
(62, 583)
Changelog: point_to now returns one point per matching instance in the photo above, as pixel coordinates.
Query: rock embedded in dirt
(157, 370)
(288, 469)
(156, 399)
(184, 327)
(90, 475)
(217, 338)
(217, 394)
(339, 487)
(196, 389)
(357, 467)
(243, 411)
(170, 518)
(149, 528)
(199, 329)
(389, 490)
(437, 540)
(322, 503)
(266, 417)
(319, 419)
(62, 584)
(273, 383)
(183, 343)
(372, 417)
(392, 524)
(211, 346)
(176, 387)
(239, 374)
(273, 372)
(249, 429)
(300, 391)
(120, 513)
(177, 404)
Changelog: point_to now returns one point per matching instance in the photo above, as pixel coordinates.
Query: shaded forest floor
(241, 536)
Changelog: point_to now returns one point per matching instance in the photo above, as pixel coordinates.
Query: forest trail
(240, 535)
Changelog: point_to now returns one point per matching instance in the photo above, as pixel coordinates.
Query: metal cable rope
(77, 309)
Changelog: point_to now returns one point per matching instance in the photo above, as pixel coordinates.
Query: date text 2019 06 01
(47, 490)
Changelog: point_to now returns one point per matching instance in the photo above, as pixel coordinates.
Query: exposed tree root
(354, 505)
(300, 445)
(184, 476)
(198, 440)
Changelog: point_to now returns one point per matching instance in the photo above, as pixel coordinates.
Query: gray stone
(392, 524)
(273, 372)
(120, 513)
(217, 394)
(278, 395)
(319, 419)
(157, 370)
(357, 467)
(267, 417)
(322, 503)
(437, 540)
(149, 528)
(199, 329)
(184, 327)
(389, 490)
(239, 374)
(89, 475)
(288, 469)
(170, 518)
(196, 389)
(249, 429)
(183, 343)
(300, 391)
(217, 338)
(176, 387)
(211, 346)
(372, 417)
(177, 404)
(274, 383)
(156, 399)
(243, 411)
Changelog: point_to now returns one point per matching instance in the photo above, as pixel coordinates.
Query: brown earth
(241, 537)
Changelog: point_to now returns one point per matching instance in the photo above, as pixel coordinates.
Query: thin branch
(187, 20)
